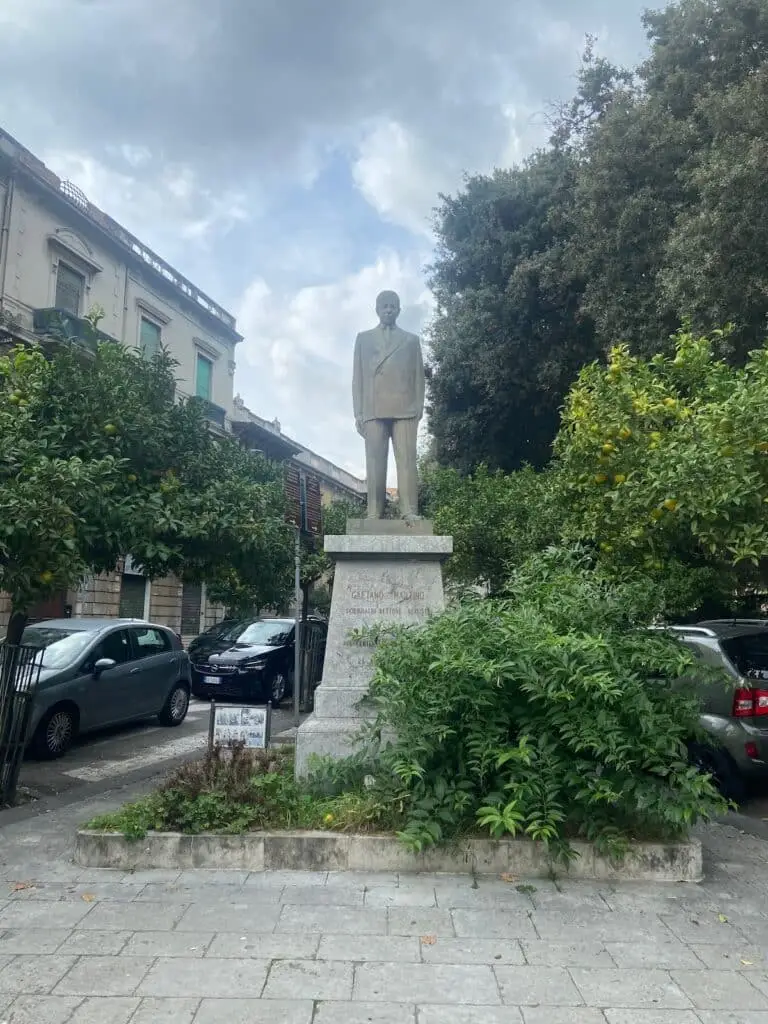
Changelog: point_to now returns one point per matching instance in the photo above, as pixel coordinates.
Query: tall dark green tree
(648, 210)
(508, 337)
(669, 216)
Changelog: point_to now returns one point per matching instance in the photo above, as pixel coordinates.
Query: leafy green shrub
(238, 790)
(554, 713)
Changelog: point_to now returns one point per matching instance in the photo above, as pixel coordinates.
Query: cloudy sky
(286, 154)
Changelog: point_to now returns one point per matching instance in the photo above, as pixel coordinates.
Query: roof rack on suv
(734, 622)
(698, 630)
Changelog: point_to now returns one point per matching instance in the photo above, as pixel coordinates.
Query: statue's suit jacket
(388, 376)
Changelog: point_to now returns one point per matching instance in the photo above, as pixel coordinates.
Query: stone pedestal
(387, 571)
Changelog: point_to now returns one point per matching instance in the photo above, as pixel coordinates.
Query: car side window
(115, 646)
(148, 642)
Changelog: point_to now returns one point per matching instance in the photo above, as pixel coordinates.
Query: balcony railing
(63, 326)
(212, 412)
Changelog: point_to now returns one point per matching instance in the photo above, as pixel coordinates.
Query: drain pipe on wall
(5, 234)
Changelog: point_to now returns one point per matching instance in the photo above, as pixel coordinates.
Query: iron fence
(19, 676)
(312, 658)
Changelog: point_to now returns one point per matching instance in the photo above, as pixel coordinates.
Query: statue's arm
(357, 382)
(420, 379)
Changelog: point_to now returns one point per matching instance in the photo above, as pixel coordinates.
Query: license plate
(211, 680)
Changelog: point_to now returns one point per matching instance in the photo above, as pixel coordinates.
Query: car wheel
(277, 689)
(55, 734)
(725, 775)
(176, 706)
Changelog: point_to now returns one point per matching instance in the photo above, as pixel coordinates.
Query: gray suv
(735, 715)
(97, 673)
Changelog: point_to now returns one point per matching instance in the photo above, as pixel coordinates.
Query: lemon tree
(99, 459)
(51, 500)
(666, 459)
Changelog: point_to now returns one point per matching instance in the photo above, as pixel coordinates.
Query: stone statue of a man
(388, 399)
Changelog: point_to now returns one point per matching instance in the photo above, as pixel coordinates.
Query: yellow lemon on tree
(625, 433)
(110, 429)
(670, 403)
(670, 504)
(620, 478)
(656, 513)
(14, 399)
(608, 448)
(600, 478)
(46, 577)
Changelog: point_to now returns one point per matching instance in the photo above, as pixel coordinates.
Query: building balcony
(212, 412)
(60, 325)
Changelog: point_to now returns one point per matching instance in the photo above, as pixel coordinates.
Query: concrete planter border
(333, 851)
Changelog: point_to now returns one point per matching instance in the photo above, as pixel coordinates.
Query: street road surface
(148, 751)
(139, 751)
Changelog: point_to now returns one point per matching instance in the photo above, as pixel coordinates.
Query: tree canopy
(98, 460)
(660, 471)
(646, 210)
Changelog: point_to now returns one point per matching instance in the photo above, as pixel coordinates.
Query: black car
(253, 659)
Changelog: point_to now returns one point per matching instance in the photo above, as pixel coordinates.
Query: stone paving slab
(89, 946)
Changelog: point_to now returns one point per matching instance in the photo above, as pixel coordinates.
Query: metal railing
(312, 658)
(19, 676)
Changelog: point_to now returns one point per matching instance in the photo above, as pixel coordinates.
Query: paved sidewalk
(90, 947)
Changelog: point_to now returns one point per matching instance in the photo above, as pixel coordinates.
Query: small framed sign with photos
(234, 723)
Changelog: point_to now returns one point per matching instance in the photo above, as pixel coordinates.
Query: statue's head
(388, 308)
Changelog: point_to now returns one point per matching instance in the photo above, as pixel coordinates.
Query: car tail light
(750, 749)
(743, 705)
(748, 702)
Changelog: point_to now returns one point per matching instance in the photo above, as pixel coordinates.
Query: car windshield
(60, 646)
(222, 629)
(271, 634)
(749, 653)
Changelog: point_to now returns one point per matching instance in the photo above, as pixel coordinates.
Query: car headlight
(253, 666)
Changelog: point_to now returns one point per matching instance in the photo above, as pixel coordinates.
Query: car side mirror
(103, 665)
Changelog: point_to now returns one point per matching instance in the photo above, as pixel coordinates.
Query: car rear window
(749, 653)
(151, 641)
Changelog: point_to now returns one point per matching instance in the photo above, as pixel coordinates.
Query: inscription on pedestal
(376, 593)
(380, 581)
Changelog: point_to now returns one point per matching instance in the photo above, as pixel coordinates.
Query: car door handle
(135, 671)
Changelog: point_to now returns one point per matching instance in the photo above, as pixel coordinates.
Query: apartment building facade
(266, 436)
(60, 257)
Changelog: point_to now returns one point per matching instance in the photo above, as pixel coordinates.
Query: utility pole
(297, 630)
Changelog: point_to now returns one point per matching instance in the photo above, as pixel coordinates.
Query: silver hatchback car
(735, 705)
(96, 673)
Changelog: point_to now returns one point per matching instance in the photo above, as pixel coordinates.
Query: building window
(150, 338)
(133, 591)
(191, 606)
(204, 378)
(70, 288)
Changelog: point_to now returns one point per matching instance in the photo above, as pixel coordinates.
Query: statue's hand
(360, 427)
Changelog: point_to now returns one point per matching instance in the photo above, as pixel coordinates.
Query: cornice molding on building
(76, 247)
(134, 252)
(152, 311)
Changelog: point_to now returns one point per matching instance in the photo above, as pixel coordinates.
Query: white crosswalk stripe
(107, 769)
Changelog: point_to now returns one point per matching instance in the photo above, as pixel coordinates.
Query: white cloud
(164, 208)
(399, 177)
(207, 130)
(296, 361)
